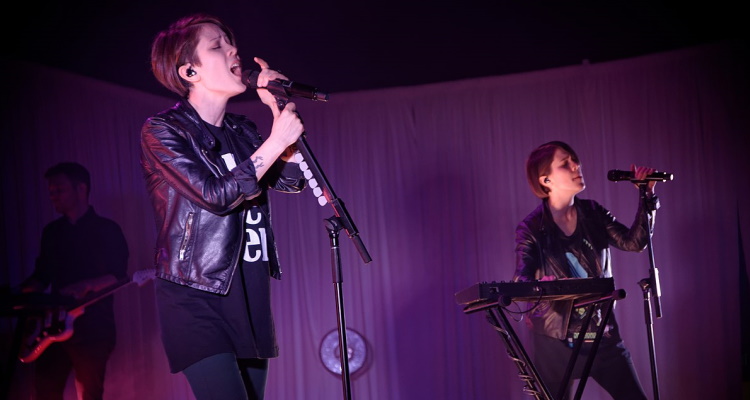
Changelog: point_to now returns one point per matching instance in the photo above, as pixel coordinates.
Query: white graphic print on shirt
(255, 244)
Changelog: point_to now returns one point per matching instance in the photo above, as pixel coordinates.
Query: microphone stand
(650, 286)
(334, 224)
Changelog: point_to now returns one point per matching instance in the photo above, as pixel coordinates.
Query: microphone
(616, 175)
(282, 87)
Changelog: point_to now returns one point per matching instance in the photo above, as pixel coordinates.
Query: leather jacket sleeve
(529, 264)
(283, 176)
(181, 161)
(633, 238)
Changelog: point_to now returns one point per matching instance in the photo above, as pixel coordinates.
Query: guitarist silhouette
(83, 257)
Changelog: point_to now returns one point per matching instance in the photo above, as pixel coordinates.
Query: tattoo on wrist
(257, 161)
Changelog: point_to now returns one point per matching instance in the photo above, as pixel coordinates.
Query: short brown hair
(539, 164)
(175, 47)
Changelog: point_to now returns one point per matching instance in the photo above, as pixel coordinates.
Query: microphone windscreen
(616, 175)
(250, 78)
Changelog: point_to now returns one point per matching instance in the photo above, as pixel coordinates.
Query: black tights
(224, 377)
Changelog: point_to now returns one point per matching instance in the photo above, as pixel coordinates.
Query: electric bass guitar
(55, 324)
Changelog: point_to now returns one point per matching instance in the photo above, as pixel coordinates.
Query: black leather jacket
(539, 253)
(199, 205)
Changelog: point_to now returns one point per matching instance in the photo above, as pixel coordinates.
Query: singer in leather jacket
(208, 172)
(540, 254)
(568, 237)
(193, 191)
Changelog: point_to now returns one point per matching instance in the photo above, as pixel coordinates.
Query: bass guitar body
(55, 324)
(41, 332)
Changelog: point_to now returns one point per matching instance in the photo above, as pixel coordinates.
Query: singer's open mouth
(235, 68)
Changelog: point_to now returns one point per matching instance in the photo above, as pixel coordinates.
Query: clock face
(330, 354)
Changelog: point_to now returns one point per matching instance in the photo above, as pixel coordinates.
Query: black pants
(87, 360)
(224, 377)
(612, 368)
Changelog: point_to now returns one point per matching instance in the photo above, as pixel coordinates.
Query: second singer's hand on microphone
(640, 174)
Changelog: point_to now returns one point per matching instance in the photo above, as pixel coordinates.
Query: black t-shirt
(575, 247)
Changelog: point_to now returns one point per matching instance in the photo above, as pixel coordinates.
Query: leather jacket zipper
(186, 237)
(208, 160)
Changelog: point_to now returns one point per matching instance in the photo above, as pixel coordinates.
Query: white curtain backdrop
(433, 177)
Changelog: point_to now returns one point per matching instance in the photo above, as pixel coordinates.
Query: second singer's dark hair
(175, 47)
(539, 163)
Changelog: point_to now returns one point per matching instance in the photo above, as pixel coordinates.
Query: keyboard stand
(527, 371)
